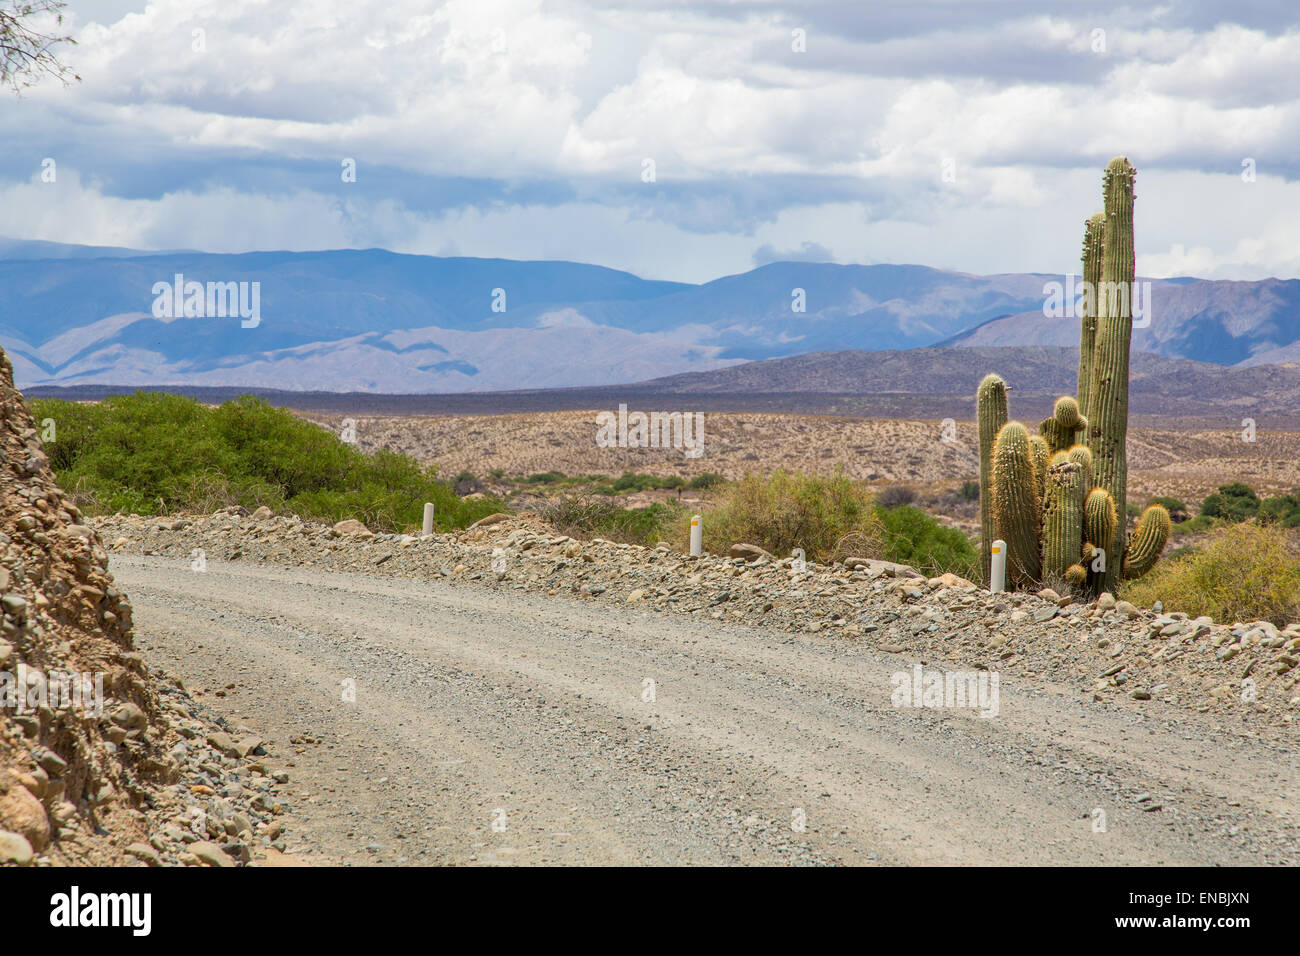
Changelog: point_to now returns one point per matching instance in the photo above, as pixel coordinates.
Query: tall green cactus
(1062, 516)
(1094, 231)
(1016, 509)
(991, 409)
(1108, 394)
(1059, 496)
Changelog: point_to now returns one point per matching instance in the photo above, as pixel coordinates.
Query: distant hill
(916, 383)
(1227, 323)
(375, 321)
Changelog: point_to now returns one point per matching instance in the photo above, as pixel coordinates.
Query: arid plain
(1183, 463)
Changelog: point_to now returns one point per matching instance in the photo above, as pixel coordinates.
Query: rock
(491, 519)
(749, 552)
(209, 854)
(1128, 610)
(1045, 614)
(15, 848)
(143, 851)
(950, 580)
(352, 526)
(49, 761)
(876, 568)
(21, 812)
(1047, 594)
(129, 718)
(263, 513)
(222, 743)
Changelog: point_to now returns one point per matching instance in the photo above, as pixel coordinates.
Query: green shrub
(545, 478)
(588, 516)
(1232, 502)
(1247, 572)
(828, 518)
(1177, 509)
(970, 491)
(154, 453)
(1283, 510)
(707, 480)
(913, 537)
(1196, 525)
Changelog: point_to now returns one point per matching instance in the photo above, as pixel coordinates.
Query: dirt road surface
(493, 727)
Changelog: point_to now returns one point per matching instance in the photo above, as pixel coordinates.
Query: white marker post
(697, 537)
(998, 567)
(427, 528)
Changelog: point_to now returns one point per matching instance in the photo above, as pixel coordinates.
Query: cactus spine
(1148, 540)
(991, 407)
(1016, 510)
(1093, 236)
(1108, 395)
(1062, 516)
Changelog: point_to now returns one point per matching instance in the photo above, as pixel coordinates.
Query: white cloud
(753, 143)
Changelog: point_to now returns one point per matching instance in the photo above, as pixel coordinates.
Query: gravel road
(490, 726)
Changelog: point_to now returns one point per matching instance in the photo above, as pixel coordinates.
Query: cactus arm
(1148, 541)
(1016, 508)
(1093, 232)
(991, 410)
(1062, 516)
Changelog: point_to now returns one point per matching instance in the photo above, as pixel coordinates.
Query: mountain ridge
(378, 321)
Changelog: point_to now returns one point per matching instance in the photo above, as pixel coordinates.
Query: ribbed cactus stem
(1093, 232)
(1148, 541)
(1016, 510)
(1108, 395)
(1038, 448)
(991, 410)
(1062, 516)
(1100, 526)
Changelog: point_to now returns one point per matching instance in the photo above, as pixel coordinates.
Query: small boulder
(14, 848)
(351, 526)
(750, 552)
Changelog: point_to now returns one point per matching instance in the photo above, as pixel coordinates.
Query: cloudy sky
(679, 139)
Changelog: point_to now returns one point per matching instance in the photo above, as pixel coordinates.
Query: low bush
(590, 516)
(894, 496)
(707, 480)
(913, 537)
(1246, 572)
(1232, 502)
(828, 518)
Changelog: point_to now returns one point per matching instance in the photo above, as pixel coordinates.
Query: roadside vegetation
(1246, 571)
(829, 518)
(152, 453)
